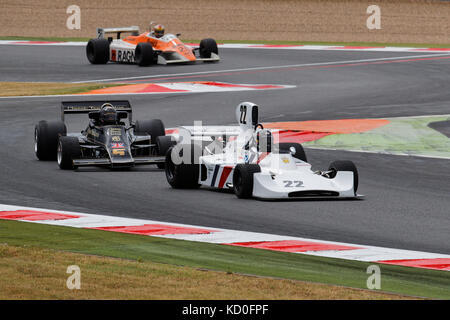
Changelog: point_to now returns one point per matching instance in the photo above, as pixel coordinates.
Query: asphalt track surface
(407, 198)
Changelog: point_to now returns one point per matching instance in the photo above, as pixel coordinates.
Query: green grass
(368, 44)
(43, 39)
(12, 89)
(402, 280)
(404, 136)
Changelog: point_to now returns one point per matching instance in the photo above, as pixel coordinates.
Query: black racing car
(107, 141)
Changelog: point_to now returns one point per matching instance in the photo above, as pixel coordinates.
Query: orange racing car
(147, 48)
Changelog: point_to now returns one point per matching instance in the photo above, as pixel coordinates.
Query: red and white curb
(229, 237)
(251, 46)
(183, 87)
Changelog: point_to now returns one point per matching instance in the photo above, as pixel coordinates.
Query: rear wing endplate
(76, 107)
(134, 30)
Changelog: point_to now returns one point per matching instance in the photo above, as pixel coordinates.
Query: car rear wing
(212, 130)
(134, 30)
(77, 107)
(205, 133)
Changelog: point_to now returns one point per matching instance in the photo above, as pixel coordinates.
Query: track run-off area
(404, 180)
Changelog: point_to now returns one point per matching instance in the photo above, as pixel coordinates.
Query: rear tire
(144, 54)
(184, 175)
(46, 134)
(345, 165)
(299, 151)
(208, 46)
(163, 144)
(155, 128)
(97, 51)
(68, 149)
(243, 180)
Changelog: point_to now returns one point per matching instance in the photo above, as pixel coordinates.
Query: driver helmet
(108, 114)
(158, 30)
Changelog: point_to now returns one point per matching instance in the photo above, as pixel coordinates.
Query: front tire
(184, 175)
(345, 165)
(68, 149)
(97, 51)
(243, 180)
(144, 54)
(46, 135)
(208, 46)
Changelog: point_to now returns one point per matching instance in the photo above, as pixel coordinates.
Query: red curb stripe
(276, 46)
(300, 136)
(30, 215)
(435, 264)
(37, 42)
(230, 85)
(292, 246)
(432, 49)
(157, 88)
(155, 229)
(356, 47)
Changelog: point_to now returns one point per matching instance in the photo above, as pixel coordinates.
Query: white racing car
(246, 160)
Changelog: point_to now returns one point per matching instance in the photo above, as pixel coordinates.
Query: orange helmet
(158, 30)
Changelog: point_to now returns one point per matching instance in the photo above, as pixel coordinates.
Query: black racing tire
(97, 51)
(155, 128)
(299, 151)
(68, 149)
(144, 54)
(184, 175)
(345, 165)
(243, 179)
(208, 46)
(163, 144)
(46, 134)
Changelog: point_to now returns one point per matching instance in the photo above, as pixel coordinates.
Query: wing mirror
(178, 35)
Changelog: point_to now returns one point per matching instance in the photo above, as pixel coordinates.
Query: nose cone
(186, 52)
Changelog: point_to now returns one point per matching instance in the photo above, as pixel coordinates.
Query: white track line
(226, 236)
(266, 68)
(248, 46)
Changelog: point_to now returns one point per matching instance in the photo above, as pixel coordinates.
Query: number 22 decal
(292, 184)
(243, 114)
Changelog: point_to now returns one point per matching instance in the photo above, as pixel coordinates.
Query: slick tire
(155, 128)
(144, 54)
(208, 46)
(46, 135)
(299, 151)
(97, 51)
(243, 180)
(345, 165)
(68, 149)
(163, 144)
(184, 175)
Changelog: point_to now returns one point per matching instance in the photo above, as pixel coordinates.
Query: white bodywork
(281, 176)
